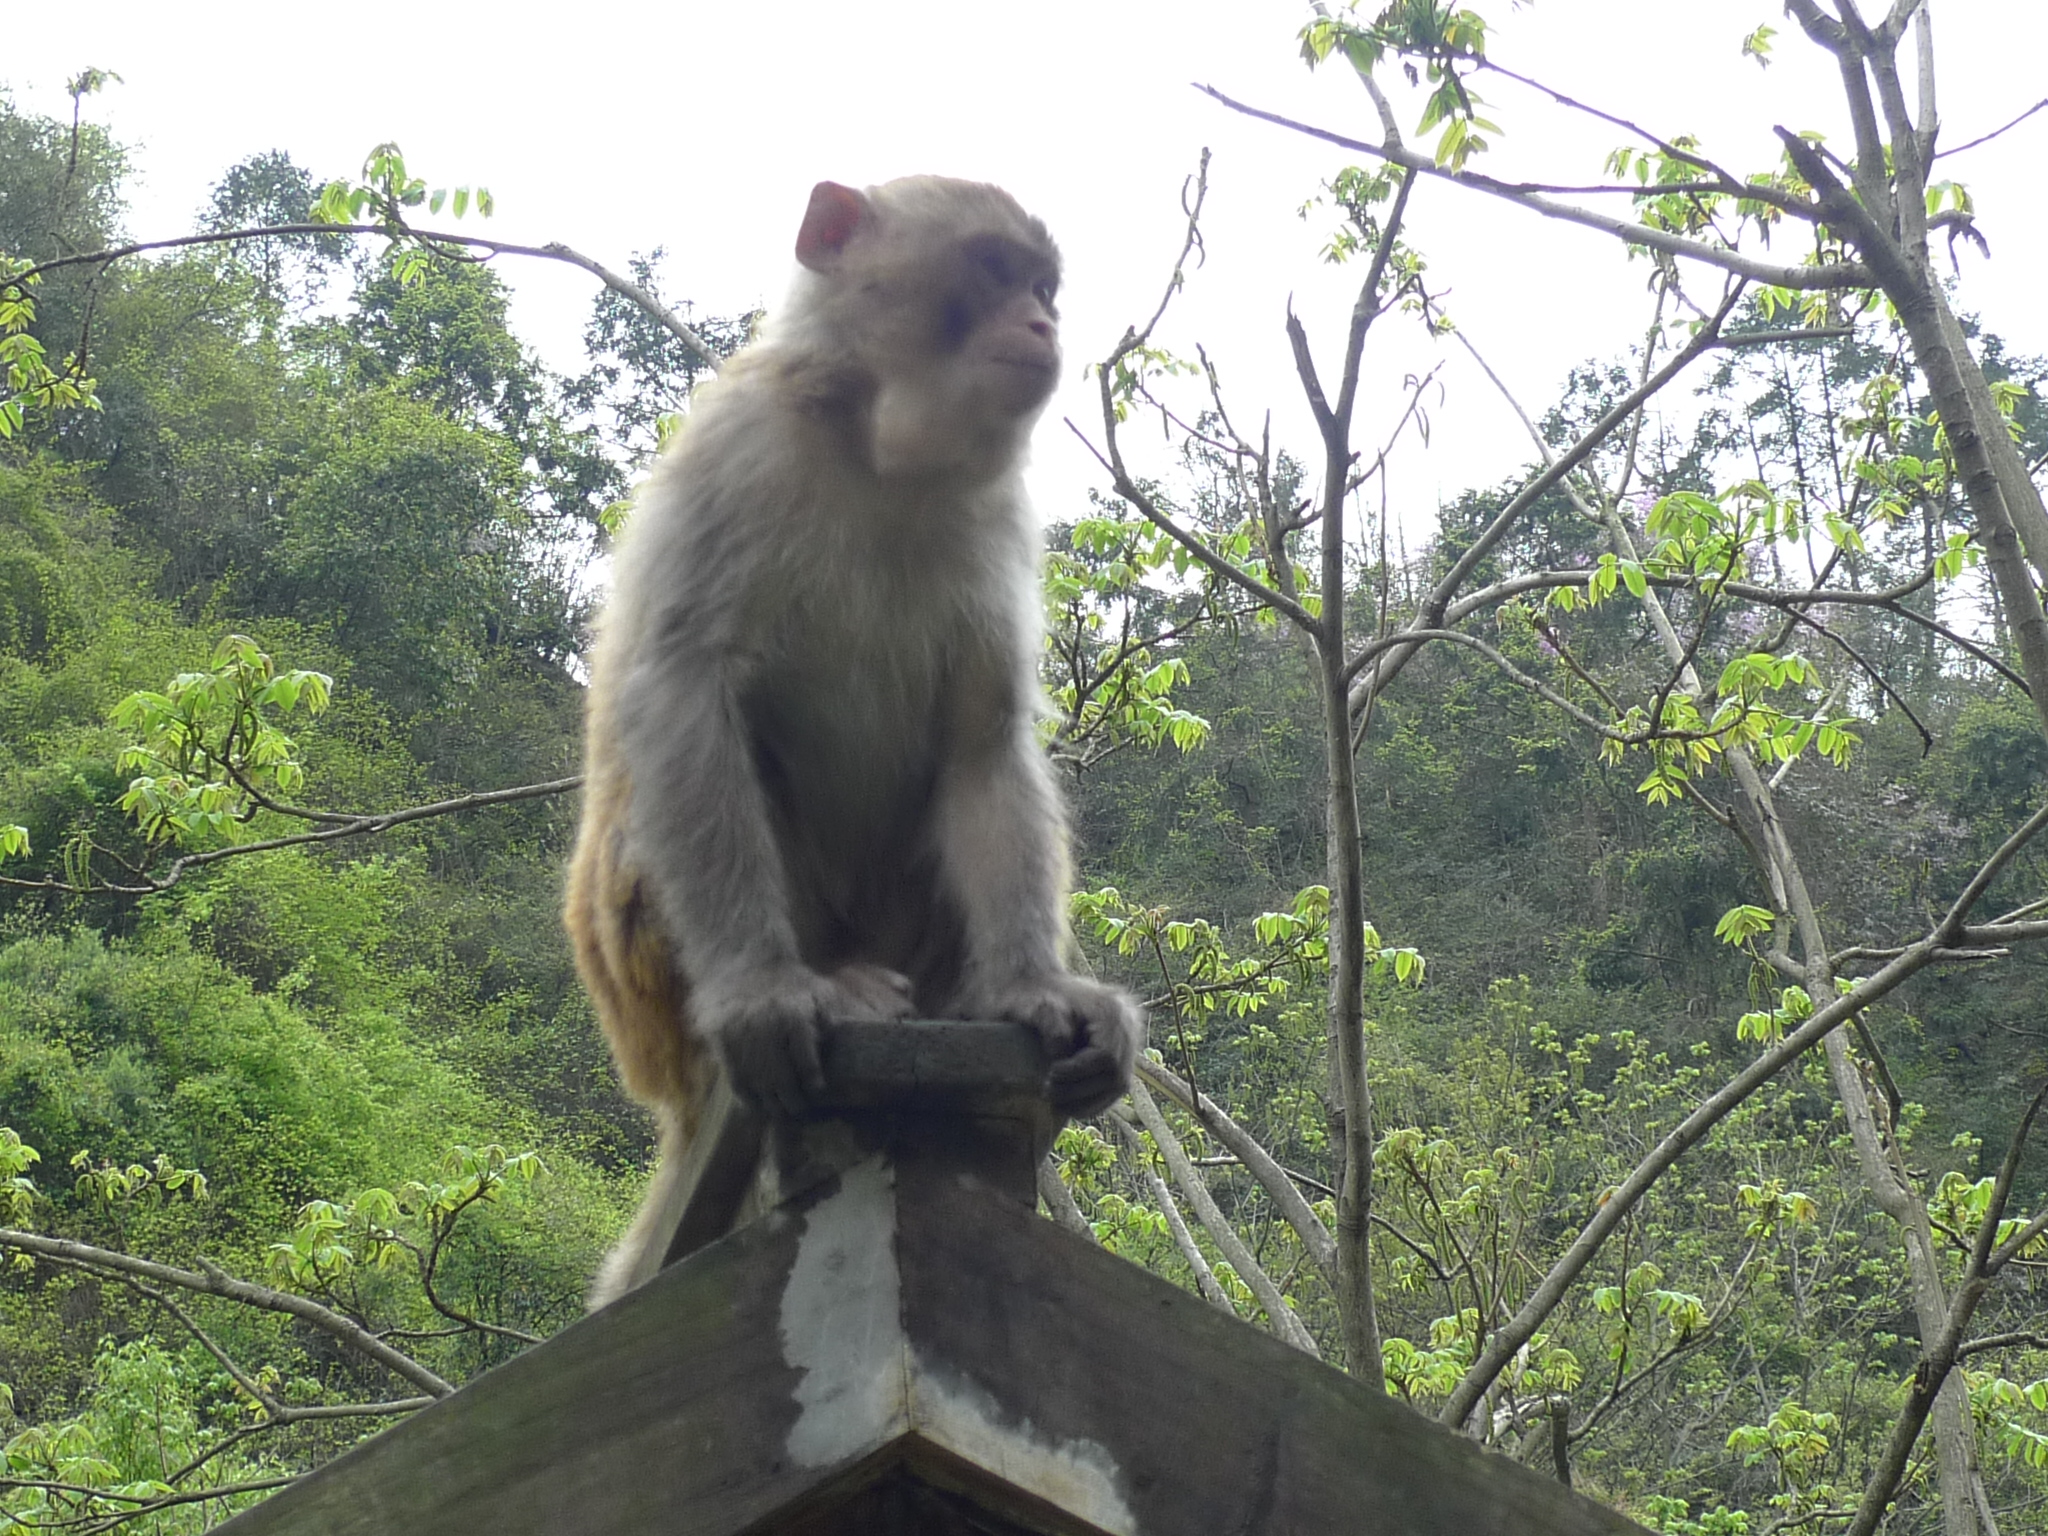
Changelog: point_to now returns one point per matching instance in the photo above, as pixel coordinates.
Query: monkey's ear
(835, 213)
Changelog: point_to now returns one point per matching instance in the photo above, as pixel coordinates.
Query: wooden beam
(974, 1091)
(903, 1320)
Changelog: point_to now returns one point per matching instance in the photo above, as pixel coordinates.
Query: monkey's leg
(622, 952)
(623, 955)
(709, 849)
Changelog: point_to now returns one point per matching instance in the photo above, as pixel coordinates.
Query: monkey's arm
(699, 824)
(1000, 831)
(1002, 846)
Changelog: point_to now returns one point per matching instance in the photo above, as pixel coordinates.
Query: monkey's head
(936, 299)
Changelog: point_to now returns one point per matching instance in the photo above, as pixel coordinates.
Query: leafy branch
(209, 753)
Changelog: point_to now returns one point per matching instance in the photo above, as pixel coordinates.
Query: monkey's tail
(637, 1258)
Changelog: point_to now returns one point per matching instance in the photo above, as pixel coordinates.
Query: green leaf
(1739, 924)
(1761, 1028)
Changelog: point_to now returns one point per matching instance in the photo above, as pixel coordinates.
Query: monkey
(814, 792)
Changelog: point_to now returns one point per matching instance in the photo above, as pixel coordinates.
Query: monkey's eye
(1044, 290)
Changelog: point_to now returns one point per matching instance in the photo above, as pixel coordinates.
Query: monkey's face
(938, 296)
(997, 324)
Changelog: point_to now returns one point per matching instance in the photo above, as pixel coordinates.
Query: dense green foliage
(364, 1072)
(375, 481)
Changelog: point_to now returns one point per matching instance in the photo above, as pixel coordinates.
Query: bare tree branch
(554, 251)
(1846, 274)
(350, 826)
(1052, 1189)
(211, 1280)
(1184, 1240)
(1113, 461)
(2022, 1339)
(1438, 602)
(1518, 1330)
(1281, 1316)
(1278, 1184)
(145, 1504)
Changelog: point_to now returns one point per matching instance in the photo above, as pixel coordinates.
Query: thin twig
(553, 251)
(1994, 133)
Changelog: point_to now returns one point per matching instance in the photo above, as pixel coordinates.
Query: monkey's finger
(1086, 1082)
(1055, 1024)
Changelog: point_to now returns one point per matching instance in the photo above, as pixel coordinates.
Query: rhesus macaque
(814, 793)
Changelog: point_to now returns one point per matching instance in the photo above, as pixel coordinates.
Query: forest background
(296, 1139)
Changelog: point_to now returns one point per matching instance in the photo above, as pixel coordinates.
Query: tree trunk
(1877, 1155)
(1355, 1305)
(1977, 439)
(2022, 496)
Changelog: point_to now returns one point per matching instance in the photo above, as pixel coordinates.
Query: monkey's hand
(1091, 1032)
(768, 1034)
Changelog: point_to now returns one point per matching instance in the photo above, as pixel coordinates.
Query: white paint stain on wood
(1078, 1476)
(842, 1322)
(862, 1384)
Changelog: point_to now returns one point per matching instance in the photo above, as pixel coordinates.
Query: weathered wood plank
(904, 1321)
(973, 1088)
(949, 1065)
(905, 1346)
(668, 1411)
(1210, 1425)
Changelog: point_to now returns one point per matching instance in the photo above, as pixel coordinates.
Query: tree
(1872, 217)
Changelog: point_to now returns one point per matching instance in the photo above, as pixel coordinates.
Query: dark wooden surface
(914, 1488)
(1213, 1425)
(901, 1504)
(665, 1412)
(934, 1064)
(899, 1349)
(968, 1093)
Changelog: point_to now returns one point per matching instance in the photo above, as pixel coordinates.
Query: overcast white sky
(616, 126)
